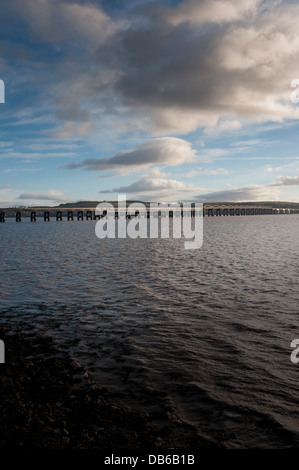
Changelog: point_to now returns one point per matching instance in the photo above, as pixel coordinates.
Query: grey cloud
(166, 150)
(51, 195)
(251, 193)
(287, 181)
(154, 182)
(150, 185)
(242, 194)
(190, 67)
(208, 11)
(56, 21)
(203, 74)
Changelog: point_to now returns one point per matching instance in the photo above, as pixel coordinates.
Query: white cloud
(201, 171)
(154, 184)
(209, 11)
(50, 195)
(72, 129)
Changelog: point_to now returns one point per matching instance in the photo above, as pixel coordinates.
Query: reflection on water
(205, 333)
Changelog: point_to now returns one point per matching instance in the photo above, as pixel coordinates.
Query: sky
(162, 101)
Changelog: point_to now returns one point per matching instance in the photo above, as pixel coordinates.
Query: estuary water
(203, 335)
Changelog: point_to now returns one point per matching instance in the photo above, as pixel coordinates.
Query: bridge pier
(59, 216)
(91, 214)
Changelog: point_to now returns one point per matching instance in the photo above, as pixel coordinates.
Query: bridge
(88, 213)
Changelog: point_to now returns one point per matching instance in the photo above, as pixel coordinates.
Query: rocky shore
(48, 401)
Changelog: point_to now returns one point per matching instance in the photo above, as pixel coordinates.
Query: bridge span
(88, 213)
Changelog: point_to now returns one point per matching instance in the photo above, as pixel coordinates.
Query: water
(202, 334)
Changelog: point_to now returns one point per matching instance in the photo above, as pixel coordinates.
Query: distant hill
(278, 204)
(91, 204)
(80, 204)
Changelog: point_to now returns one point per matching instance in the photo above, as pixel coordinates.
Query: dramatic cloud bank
(138, 87)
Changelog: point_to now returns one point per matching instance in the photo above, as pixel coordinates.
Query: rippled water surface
(205, 333)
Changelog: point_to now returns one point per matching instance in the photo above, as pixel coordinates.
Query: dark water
(204, 333)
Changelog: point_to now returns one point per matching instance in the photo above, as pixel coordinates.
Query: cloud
(155, 183)
(286, 181)
(164, 70)
(265, 192)
(201, 171)
(36, 155)
(209, 11)
(242, 194)
(224, 126)
(58, 21)
(270, 169)
(71, 129)
(183, 78)
(50, 195)
(6, 203)
(5, 144)
(161, 151)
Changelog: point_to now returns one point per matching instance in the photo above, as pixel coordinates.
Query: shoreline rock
(49, 401)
